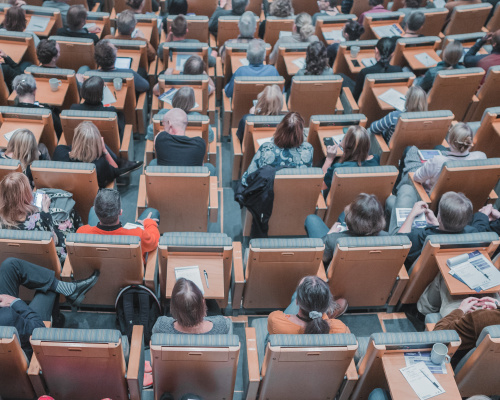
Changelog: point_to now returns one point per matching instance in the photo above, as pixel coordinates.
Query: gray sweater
(221, 325)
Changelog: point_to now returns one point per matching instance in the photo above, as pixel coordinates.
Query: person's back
(237, 9)
(75, 21)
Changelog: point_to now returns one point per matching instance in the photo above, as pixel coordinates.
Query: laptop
(123, 62)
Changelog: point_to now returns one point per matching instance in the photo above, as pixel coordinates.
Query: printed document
(426, 59)
(425, 357)
(37, 24)
(334, 35)
(422, 381)
(394, 98)
(190, 273)
(300, 62)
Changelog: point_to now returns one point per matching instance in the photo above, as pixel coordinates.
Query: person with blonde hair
(303, 31)
(269, 102)
(416, 101)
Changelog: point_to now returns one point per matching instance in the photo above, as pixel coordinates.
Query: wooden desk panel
(409, 55)
(49, 27)
(377, 91)
(368, 53)
(120, 95)
(45, 95)
(134, 54)
(11, 125)
(291, 68)
(198, 98)
(14, 50)
(325, 133)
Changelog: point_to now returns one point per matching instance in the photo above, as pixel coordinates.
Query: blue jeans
(379, 394)
(94, 220)
(211, 168)
(315, 227)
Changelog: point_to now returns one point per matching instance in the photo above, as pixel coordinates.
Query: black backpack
(136, 305)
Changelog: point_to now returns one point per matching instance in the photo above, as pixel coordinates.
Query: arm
(427, 80)
(383, 125)
(481, 222)
(150, 236)
(274, 54)
(230, 86)
(470, 59)
(141, 84)
(360, 81)
(213, 24)
(27, 319)
(428, 169)
(418, 208)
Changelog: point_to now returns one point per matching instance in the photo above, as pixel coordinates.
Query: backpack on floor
(136, 305)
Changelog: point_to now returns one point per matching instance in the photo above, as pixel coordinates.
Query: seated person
(288, 148)
(416, 101)
(137, 6)
(492, 219)
(10, 69)
(189, 313)
(411, 6)
(104, 219)
(269, 102)
(61, 5)
(126, 27)
(15, 273)
(92, 94)
(415, 22)
(376, 6)
(256, 54)
(316, 61)
(356, 147)
(326, 7)
(247, 26)
(451, 58)
(279, 9)
(484, 61)
(75, 25)
(351, 31)
(18, 212)
(312, 311)
(363, 217)
(237, 8)
(48, 52)
(25, 88)
(15, 21)
(383, 53)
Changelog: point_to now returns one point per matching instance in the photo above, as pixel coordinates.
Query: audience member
(48, 52)
(189, 313)
(325, 7)
(303, 31)
(178, 7)
(377, 6)
(61, 5)
(278, 9)
(15, 21)
(351, 31)
(414, 23)
(25, 88)
(484, 61)
(137, 6)
(247, 26)
(413, 5)
(237, 8)
(383, 53)
(288, 148)
(416, 101)
(363, 217)
(269, 102)
(316, 61)
(256, 54)
(312, 311)
(104, 219)
(492, 223)
(75, 25)
(10, 69)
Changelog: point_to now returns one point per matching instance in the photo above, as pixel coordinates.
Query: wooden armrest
(134, 363)
(67, 271)
(141, 196)
(429, 327)
(35, 377)
(62, 140)
(350, 100)
(141, 113)
(420, 189)
(214, 200)
(152, 68)
(212, 153)
(155, 106)
(237, 155)
(149, 272)
(352, 379)
(252, 363)
(127, 147)
(48, 324)
(321, 206)
(322, 272)
(228, 111)
(238, 276)
(399, 286)
(339, 107)
(212, 108)
(492, 197)
(149, 153)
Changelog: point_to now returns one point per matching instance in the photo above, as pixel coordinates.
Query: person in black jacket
(10, 69)
(75, 21)
(237, 8)
(383, 53)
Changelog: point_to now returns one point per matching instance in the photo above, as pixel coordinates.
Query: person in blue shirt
(255, 55)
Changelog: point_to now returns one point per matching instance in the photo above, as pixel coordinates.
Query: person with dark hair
(189, 313)
(137, 6)
(236, 7)
(414, 23)
(178, 7)
(352, 30)
(377, 6)
(104, 219)
(48, 52)
(75, 25)
(383, 53)
(365, 216)
(92, 94)
(61, 5)
(15, 21)
(288, 148)
(484, 61)
(325, 7)
(312, 311)
(279, 9)
(316, 61)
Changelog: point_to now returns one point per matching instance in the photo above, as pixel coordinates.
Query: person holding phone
(484, 61)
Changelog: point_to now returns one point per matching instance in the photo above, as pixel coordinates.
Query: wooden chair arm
(429, 327)
(67, 271)
(127, 147)
(228, 112)
(149, 152)
(141, 113)
(420, 189)
(352, 379)
(150, 269)
(153, 67)
(252, 363)
(134, 380)
(238, 276)
(214, 200)
(349, 101)
(321, 206)
(399, 286)
(155, 106)
(379, 147)
(212, 108)
(35, 377)
(141, 196)
(237, 155)
(492, 197)
(212, 153)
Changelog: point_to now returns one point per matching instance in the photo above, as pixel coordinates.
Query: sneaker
(147, 367)
(148, 381)
(339, 308)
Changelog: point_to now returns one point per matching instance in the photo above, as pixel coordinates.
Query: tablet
(428, 154)
(123, 62)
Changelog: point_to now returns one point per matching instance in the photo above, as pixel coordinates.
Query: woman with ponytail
(303, 31)
(383, 53)
(313, 311)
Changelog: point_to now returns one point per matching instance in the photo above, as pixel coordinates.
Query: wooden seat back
(487, 137)
(468, 19)
(75, 52)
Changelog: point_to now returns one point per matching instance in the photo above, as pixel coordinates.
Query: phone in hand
(328, 141)
(38, 198)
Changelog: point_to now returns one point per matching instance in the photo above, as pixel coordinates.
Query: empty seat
(494, 22)
(487, 137)
(487, 95)
(467, 19)
(75, 52)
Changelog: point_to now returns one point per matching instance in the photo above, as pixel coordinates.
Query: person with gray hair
(237, 7)
(104, 219)
(247, 26)
(256, 53)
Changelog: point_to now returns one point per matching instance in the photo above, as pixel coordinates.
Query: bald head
(175, 121)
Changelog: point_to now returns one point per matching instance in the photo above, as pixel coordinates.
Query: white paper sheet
(264, 140)
(402, 213)
(244, 61)
(285, 33)
(426, 59)
(300, 62)
(8, 135)
(394, 98)
(476, 265)
(368, 62)
(37, 24)
(90, 25)
(422, 381)
(425, 357)
(129, 225)
(334, 35)
(192, 274)
(181, 60)
(469, 275)
(387, 30)
(107, 96)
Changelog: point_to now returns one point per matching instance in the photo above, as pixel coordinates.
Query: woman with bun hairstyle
(351, 31)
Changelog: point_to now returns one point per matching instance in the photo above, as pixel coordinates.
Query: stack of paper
(334, 35)
(300, 62)
(402, 214)
(37, 24)
(387, 30)
(394, 98)
(107, 96)
(426, 59)
(244, 61)
(475, 270)
(422, 381)
(191, 274)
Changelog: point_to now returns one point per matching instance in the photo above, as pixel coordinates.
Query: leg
(93, 220)
(315, 227)
(154, 213)
(431, 301)
(211, 169)
(378, 394)
(43, 303)
(153, 163)
(293, 308)
(406, 198)
(15, 272)
(448, 302)
(113, 155)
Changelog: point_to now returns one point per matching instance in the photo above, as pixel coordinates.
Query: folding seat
(102, 20)
(425, 268)
(75, 52)
(275, 25)
(487, 95)
(85, 364)
(487, 137)
(372, 21)
(408, 48)
(197, 24)
(14, 380)
(272, 271)
(382, 349)
(8, 166)
(185, 195)
(425, 130)
(348, 182)
(476, 179)
(467, 19)
(324, 89)
(212, 252)
(299, 366)
(297, 193)
(328, 23)
(494, 23)
(228, 28)
(177, 359)
(135, 49)
(369, 271)
(376, 85)
(19, 46)
(54, 14)
(106, 122)
(78, 178)
(444, 94)
(435, 19)
(202, 7)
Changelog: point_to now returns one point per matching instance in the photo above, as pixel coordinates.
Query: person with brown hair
(15, 21)
(189, 313)
(48, 52)
(279, 9)
(75, 25)
(484, 61)
(287, 149)
(316, 61)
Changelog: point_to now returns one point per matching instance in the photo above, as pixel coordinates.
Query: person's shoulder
(337, 326)
(164, 325)
(305, 146)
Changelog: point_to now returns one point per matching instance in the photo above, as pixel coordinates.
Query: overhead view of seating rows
(249, 199)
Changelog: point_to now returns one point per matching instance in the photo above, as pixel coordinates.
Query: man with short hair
(48, 53)
(104, 219)
(247, 26)
(256, 54)
(484, 61)
(237, 8)
(75, 22)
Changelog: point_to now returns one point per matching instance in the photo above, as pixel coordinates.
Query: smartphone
(38, 198)
(355, 63)
(328, 141)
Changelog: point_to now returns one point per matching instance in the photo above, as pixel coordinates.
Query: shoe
(147, 367)
(340, 307)
(129, 166)
(148, 381)
(82, 287)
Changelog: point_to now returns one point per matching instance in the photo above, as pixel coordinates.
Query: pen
(479, 269)
(434, 383)
(206, 277)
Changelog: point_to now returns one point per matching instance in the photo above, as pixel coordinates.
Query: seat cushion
(166, 339)
(77, 335)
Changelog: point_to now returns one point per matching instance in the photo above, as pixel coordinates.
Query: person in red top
(104, 219)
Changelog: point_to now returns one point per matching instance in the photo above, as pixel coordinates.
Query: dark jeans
(15, 273)
(93, 220)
